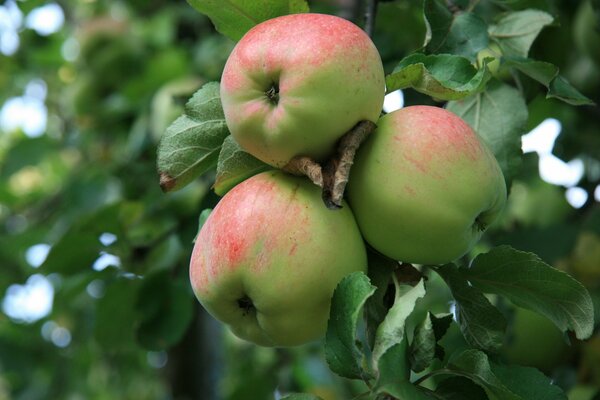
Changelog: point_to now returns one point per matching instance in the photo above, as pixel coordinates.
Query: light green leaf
(481, 323)
(342, 354)
(444, 76)
(233, 18)
(391, 330)
(234, 166)
(499, 116)
(515, 31)
(528, 282)
(192, 143)
(561, 89)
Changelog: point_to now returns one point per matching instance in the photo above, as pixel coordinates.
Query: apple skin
(424, 186)
(295, 84)
(269, 256)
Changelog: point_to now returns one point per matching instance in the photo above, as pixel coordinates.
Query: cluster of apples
(422, 190)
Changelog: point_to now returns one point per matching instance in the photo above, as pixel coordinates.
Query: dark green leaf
(561, 89)
(300, 396)
(474, 365)
(165, 307)
(234, 166)
(233, 18)
(499, 115)
(394, 373)
(481, 323)
(424, 346)
(377, 306)
(192, 143)
(529, 383)
(459, 388)
(530, 283)
(342, 354)
(515, 31)
(443, 76)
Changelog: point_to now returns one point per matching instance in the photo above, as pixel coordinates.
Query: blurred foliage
(117, 74)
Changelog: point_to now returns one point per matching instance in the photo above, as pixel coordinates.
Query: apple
(495, 67)
(424, 186)
(269, 256)
(295, 84)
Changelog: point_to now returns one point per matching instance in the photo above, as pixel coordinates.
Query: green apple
(493, 51)
(269, 256)
(534, 341)
(424, 186)
(293, 85)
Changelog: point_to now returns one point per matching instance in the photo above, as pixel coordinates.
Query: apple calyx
(273, 93)
(332, 176)
(246, 304)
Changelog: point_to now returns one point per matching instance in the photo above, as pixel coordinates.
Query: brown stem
(305, 166)
(337, 170)
(370, 15)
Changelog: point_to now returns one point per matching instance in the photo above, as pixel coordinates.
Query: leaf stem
(443, 371)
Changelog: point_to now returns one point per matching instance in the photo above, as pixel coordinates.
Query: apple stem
(305, 166)
(370, 15)
(336, 171)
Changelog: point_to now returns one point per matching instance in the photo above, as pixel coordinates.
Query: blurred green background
(96, 302)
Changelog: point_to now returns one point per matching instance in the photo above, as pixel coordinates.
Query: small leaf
(342, 354)
(515, 31)
(561, 89)
(192, 143)
(462, 34)
(529, 383)
(165, 309)
(481, 323)
(234, 166)
(233, 18)
(459, 388)
(377, 306)
(424, 347)
(499, 116)
(301, 396)
(394, 373)
(391, 330)
(474, 365)
(528, 282)
(443, 76)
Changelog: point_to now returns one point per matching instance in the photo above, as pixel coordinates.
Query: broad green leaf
(459, 388)
(443, 76)
(394, 374)
(192, 143)
(529, 383)
(499, 116)
(528, 282)
(377, 306)
(424, 347)
(547, 74)
(165, 310)
(515, 31)
(462, 34)
(342, 354)
(233, 18)
(391, 330)
(234, 166)
(474, 365)
(301, 396)
(481, 323)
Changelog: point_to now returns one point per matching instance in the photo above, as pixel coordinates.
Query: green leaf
(481, 323)
(561, 89)
(444, 76)
(202, 219)
(528, 282)
(474, 365)
(463, 34)
(424, 347)
(499, 116)
(192, 143)
(529, 383)
(547, 74)
(377, 306)
(394, 373)
(235, 166)
(391, 330)
(301, 396)
(342, 354)
(459, 388)
(165, 309)
(233, 18)
(515, 31)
